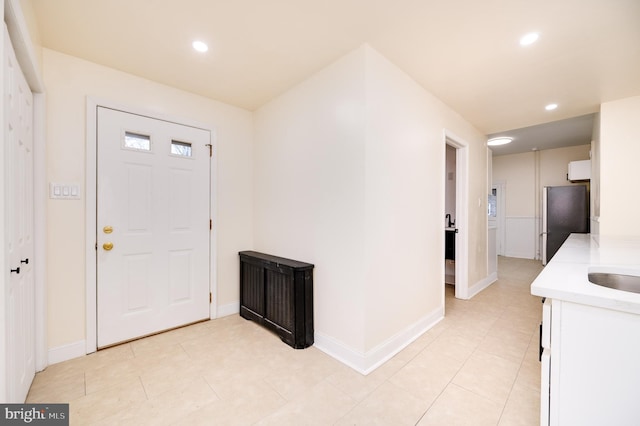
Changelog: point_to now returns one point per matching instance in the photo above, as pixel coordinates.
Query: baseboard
(67, 352)
(228, 309)
(366, 362)
(481, 285)
(520, 255)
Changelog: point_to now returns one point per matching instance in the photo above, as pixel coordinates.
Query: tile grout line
(144, 389)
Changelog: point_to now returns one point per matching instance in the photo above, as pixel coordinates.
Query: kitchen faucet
(450, 224)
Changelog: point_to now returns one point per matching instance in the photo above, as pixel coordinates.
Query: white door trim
(501, 223)
(462, 212)
(91, 220)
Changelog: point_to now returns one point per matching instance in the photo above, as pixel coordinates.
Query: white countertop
(565, 276)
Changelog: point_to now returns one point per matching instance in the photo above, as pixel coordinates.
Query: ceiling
(465, 52)
(556, 134)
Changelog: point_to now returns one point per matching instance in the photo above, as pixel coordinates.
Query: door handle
(17, 270)
(107, 229)
(107, 246)
(25, 261)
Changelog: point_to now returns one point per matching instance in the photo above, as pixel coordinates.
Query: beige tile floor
(478, 366)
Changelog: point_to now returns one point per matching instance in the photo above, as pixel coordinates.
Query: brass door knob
(107, 229)
(107, 246)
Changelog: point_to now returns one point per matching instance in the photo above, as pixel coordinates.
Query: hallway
(479, 366)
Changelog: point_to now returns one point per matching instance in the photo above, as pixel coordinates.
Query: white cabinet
(590, 365)
(579, 170)
(545, 360)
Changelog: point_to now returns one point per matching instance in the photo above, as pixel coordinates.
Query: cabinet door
(545, 386)
(252, 288)
(279, 298)
(450, 245)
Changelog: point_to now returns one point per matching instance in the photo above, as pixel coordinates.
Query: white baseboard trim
(481, 285)
(366, 362)
(67, 352)
(228, 309)
(520, 255)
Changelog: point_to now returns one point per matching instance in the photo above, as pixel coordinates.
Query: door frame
(91, 209)
(501, 187)
(462, 211)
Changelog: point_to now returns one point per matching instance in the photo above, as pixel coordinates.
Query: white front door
(153, 225)
(19, 293)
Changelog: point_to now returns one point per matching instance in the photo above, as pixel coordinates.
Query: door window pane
(137, 141)
(181, 148)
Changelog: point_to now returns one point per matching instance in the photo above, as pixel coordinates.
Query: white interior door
(153, 225)
(20, 294)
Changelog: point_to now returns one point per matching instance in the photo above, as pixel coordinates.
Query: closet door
(19, 291)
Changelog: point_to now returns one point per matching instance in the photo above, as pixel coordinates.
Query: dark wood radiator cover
(278, 293)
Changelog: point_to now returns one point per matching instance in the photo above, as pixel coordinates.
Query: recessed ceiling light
(502, 140)
(528, 39)
(200, 46)
(551, 107)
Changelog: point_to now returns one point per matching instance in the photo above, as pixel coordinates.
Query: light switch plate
(64, 191)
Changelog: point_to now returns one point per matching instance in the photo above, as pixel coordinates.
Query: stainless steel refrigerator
(565, 210)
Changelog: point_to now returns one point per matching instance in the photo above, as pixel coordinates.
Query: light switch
(64, 191)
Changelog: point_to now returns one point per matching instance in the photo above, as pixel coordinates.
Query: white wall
(69, 81)
(309, 176)
(525, 175)
(404, 200)
(26, 7)
(349, 175)
(619, 170)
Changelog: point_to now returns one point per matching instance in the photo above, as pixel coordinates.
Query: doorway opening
(450, 217)
(455, 215)
(496, 215)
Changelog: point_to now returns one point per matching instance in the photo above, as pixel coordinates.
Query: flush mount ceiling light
(551, 107)
(502, 140)
(200, 46)
(528, 39)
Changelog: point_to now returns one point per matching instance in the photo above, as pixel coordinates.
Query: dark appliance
(565, 210)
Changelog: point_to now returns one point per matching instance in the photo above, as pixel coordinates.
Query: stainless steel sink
(616, 281)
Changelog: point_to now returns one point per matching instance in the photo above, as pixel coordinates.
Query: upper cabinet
(579, 170)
